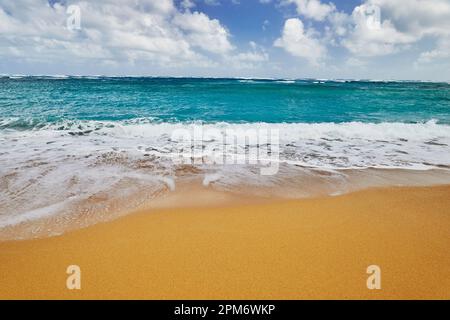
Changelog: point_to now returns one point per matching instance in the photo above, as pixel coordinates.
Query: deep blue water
(31, 101)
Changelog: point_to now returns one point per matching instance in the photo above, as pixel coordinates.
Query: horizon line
(61, 76)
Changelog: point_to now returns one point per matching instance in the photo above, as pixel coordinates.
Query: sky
(323, 39)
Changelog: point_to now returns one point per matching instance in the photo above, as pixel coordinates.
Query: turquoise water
(36, 101)
(88, 148)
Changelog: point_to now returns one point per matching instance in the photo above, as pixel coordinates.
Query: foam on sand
(91, 167)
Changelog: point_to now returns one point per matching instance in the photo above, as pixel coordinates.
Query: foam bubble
(97, 167)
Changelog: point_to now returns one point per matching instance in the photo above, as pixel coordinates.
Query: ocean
(95, 146)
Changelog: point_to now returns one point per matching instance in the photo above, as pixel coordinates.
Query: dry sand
(304, 249)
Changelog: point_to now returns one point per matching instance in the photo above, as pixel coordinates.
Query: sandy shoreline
(301, 249)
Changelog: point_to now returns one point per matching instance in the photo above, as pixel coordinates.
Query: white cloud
(417, 17)
(368, 39)
(442, 51)
(301, 43)
(355, 63)
(339, 23)
(402, 23)
(187, 4)
(381, 27)
(313, 9)
(134, 34)
(204, 32)
(250, 59)
(126, 31)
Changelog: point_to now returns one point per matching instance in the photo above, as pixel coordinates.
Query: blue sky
(245, 20)
(376, 39)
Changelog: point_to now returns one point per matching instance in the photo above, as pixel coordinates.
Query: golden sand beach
(301, 249)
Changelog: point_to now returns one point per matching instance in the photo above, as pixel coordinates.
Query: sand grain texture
(305, 249)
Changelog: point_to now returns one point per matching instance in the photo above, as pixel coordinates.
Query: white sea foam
(327, 145)
(285, 81)
(89, 166)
